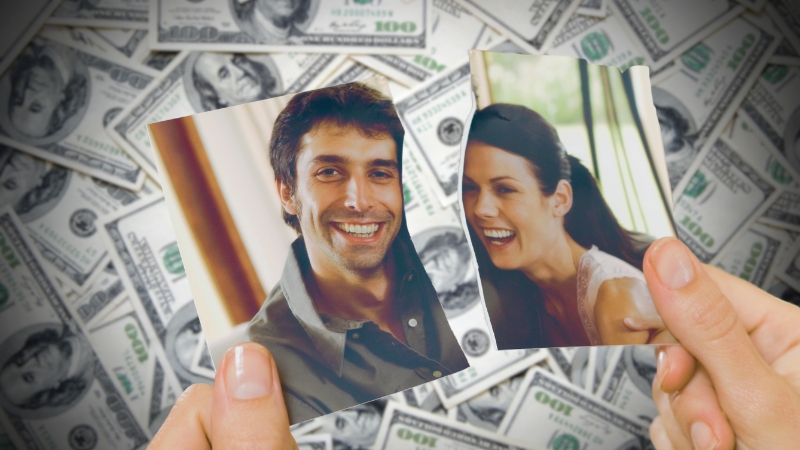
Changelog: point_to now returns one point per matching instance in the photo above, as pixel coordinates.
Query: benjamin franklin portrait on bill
(274, 21)
(44, 94)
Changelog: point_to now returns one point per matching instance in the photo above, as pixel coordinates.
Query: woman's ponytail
(591, 222)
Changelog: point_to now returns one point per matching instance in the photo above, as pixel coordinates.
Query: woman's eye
(505, 190)
(468, 188)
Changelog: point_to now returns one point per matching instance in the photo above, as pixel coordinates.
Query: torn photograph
(290, 218)
(562, 196)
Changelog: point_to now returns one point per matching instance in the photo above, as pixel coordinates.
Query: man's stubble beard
(365, 258)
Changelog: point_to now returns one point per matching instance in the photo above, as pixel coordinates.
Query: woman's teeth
(498, 237)
(358, 230)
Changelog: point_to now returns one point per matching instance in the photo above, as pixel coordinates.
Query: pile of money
(93, 279)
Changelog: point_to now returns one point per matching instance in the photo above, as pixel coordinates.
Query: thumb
(706, 324)
(248, 409)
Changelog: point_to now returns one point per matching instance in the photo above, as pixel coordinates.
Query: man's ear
(562, 198)
(287, 200)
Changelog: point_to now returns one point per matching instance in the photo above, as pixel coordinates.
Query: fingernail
(662, 366)
(702, 436)
(249, 375)
(673, 265)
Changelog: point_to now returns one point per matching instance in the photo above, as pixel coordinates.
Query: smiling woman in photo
(538, 212)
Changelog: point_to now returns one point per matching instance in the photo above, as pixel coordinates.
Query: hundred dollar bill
(628, 384)
(755, 255)
(598, 41)
(355, 427)
(434, 116)
(315, 442)
(56, 390)
(665, 30)
(130, 42)
(409, 428)
(352, 70)
(101, 13)
(766, 159)
(786, 16)
(79, 37)
(486, 410)
(61, 209)
(725, 195)
(158, 60)
(321, 26)
(593, 8)
(532, 25)
(494, 367)
(455, 31)
(571, 366)
(423, 397)
(784, 212)
(141, 370)
(789, 269)
(102, 297)
(600, 362)
(568, 417)
(19, 24)
(144, 251)
(696, 103)
(772, 110)
(56, 100)
(785, 55)
(203, 81)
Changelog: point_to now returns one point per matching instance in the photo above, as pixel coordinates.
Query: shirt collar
(331, 339)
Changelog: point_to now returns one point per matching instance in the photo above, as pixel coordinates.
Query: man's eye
(10, 184)
(340, 423)
(29, 377)
(35, 107)
(327, 172)
(382, 174)
(223, 73)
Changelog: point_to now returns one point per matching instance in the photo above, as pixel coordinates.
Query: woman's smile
(499, 237)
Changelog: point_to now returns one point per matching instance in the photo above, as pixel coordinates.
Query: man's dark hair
(353, 105)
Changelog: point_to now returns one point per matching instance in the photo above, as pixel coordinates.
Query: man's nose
(358, 194)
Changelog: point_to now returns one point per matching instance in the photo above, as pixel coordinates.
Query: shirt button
(355, 335)
(410, 277)
(412, 322)
(437, 374)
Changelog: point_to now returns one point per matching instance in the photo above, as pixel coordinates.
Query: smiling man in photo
(355, 316)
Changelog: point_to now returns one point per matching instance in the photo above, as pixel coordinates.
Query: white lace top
(595, 267)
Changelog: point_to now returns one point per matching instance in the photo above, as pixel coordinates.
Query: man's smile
(358, 230)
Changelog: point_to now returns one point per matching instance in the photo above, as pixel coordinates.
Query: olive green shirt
(330, 363)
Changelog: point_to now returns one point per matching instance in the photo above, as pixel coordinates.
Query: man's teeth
(359, 230)
(494, 233)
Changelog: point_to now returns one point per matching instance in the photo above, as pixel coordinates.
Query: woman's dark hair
(521, 131)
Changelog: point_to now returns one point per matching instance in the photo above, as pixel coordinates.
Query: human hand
(243, 410)
(735, 378)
